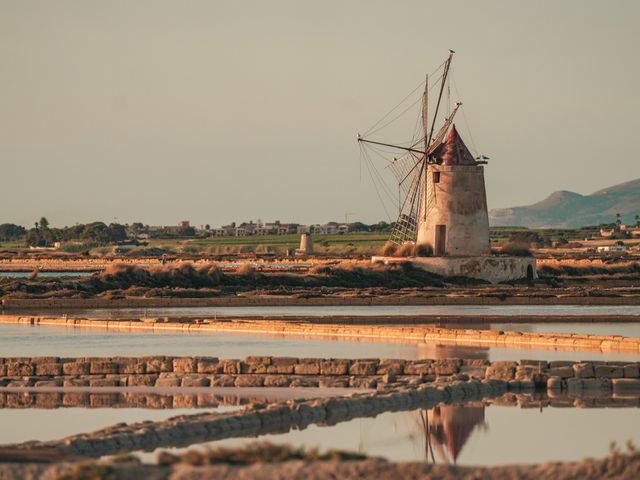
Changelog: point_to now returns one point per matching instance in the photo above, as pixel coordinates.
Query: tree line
(41, 235)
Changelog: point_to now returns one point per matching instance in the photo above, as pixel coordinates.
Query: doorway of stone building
(441, 238)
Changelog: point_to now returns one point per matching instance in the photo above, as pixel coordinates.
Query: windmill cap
(453, 151)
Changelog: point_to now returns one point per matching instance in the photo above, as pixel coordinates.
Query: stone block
(561, 371)
(445, 367)
(257, 360)
(583, 370)
(195, 381)
(284, 360)
(39, 360)
(158, 364)
(76, 382)
(543, 365)
(596, 384)
(103, 367)
(418, 368)
(104, 382)
(305, 381)
(333, 382)
(48, 369)
(142, 380)
(209, 365)
(560, 363)
(363, 382)
(76, 368)
(185, 365)
(363, 367)
(132, 366)
(392, 367)
(501, 371)
(277, 381)
(223, 381)
(335, 367)
(20, 369)
(249, 381)
(168, 382)
(48, 383)
(626, 385)
(231, 367)
(609, 371)
(281, 365)
(475, 362)
(307, 368)
(631, 370)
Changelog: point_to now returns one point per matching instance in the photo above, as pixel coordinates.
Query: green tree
(10, 232)
(44, 223)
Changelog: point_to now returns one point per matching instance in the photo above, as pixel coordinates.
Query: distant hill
(570, 210)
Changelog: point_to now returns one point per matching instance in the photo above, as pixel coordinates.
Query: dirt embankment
(344, 283)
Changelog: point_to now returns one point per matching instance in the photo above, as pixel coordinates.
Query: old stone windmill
(443, 205)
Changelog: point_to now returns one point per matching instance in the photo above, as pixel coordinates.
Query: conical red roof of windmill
(453, 151)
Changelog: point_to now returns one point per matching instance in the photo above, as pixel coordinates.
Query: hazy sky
(216, 111)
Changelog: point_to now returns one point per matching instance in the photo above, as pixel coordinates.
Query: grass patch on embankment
(345, 244)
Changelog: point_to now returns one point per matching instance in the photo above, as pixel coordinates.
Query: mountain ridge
(566, 209)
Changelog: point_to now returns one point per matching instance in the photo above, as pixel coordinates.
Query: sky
(218, 111)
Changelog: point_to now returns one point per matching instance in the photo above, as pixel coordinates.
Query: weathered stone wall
(266, 371)
(429, 334)
(494, 269)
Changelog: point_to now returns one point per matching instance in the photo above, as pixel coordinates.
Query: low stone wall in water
(266, 371)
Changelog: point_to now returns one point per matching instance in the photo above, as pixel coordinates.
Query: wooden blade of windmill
(405, 228)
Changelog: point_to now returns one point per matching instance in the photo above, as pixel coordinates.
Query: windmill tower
(443, 215)
(453, 218)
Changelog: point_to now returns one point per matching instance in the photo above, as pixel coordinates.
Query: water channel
(28, 340)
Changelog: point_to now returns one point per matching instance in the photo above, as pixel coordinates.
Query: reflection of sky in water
(22, 425)
(475, 434)
(27, 340)
(505, 436)
(360, 310)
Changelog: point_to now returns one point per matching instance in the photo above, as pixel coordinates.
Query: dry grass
(259, 452)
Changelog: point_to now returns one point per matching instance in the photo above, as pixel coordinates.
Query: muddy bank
(315, 299)
(346, 283)
(616, 466)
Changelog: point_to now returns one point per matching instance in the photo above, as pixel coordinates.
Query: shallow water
(29, 340)
(35, 424)
(472, 435)
(472, 310)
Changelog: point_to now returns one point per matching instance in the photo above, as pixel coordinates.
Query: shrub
(516, 250)
(389, 249)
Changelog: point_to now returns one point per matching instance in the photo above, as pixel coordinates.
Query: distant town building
(277, 228)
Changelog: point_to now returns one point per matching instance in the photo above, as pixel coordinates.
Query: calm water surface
(472, 435)
(28, 340)
(480, 310)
